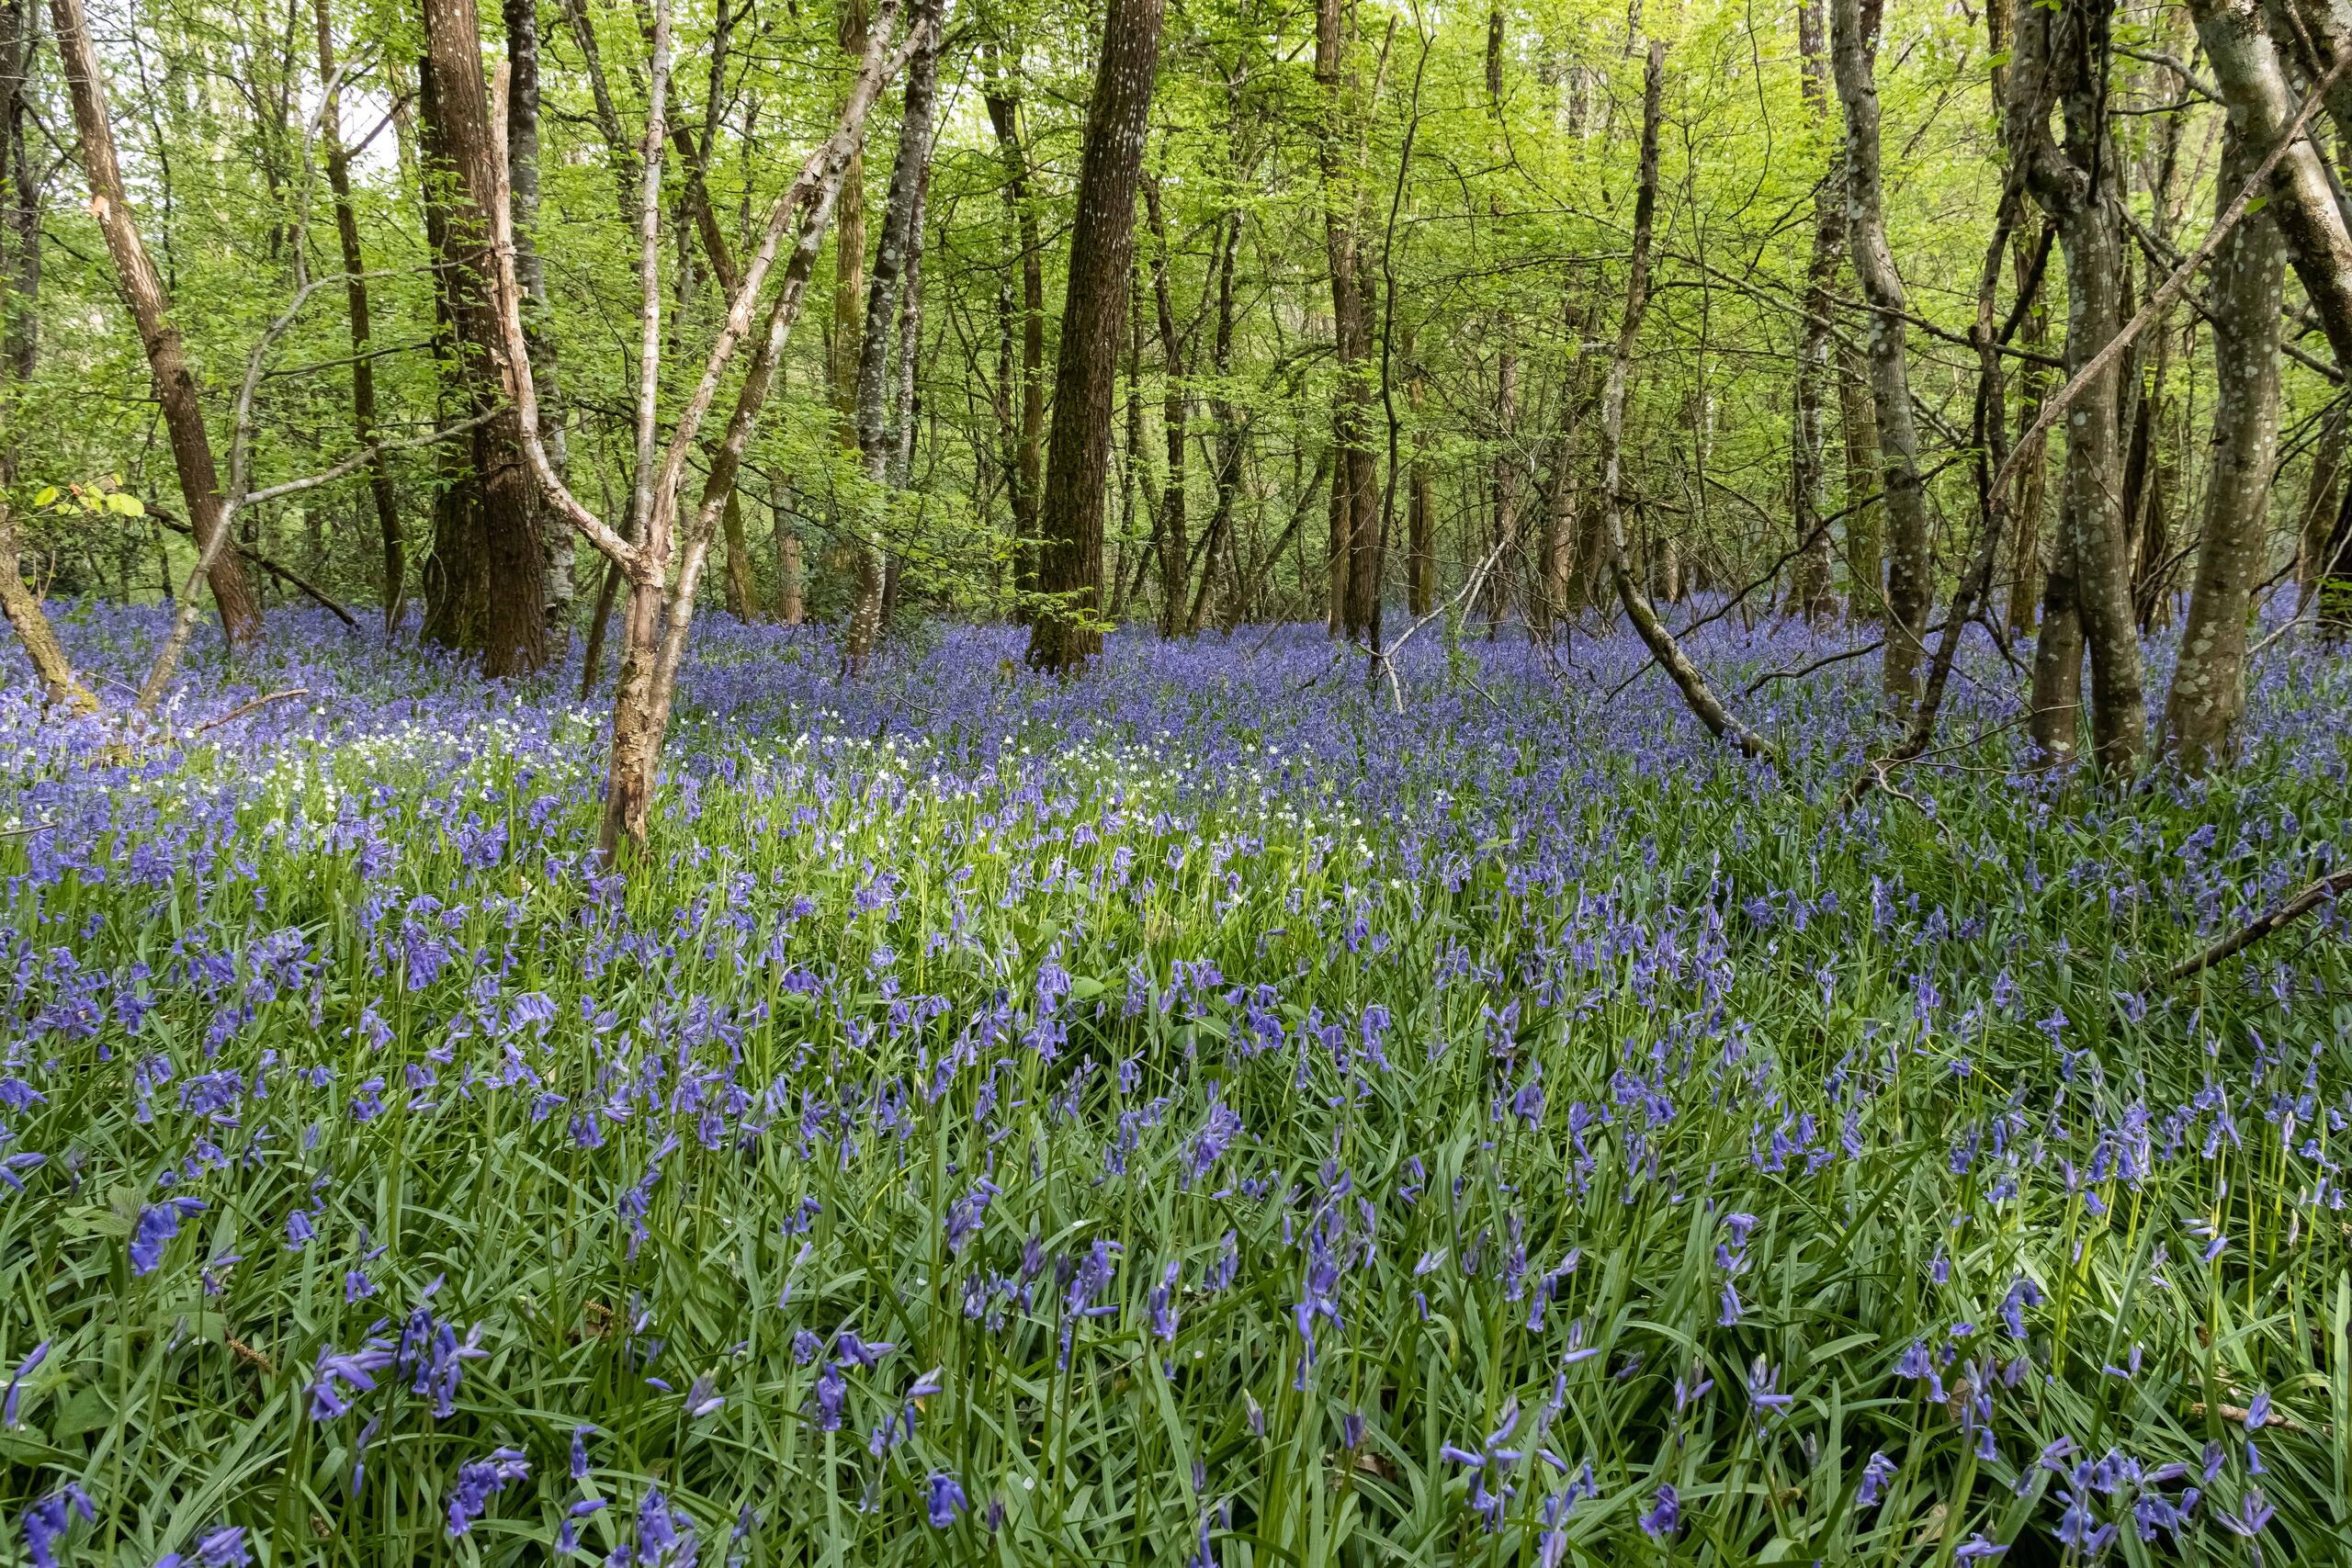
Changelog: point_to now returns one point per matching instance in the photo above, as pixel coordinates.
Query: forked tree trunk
(1809, 465)
(1909, 569)
(2058, 64)
(175, 393)
(2208, 697)
(1102, 249)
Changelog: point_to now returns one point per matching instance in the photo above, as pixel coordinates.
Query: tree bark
(355, 291)
(1865, 525)
(1175, 417)
(1910, 570)
(503, 552)
(1355, 570)
(788, 608)
(1024, 466)
(2207, 697)
(176, 390)
(2033, 381)
(1809, 467)
(1102, 249)
(2319, 507)
(1421, 496)
(877, 387)
(58, 685)
(2058, 64)
(1700, 697)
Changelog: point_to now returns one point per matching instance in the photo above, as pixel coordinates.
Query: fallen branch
(315, 594)
(243, 708)
(2326, 890)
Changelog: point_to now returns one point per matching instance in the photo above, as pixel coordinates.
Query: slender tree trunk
(504, 510)
(2059, 62)
(1354, 573)
(2208, 697)
(1024, 467)
(1506, 487)
(2319, 507)
(1175, 417)
(1809, 465)
(355, 290)
(1909, 569)
(1700, 697)
(2033, 382)
(1421, 496)
(788, 608)
(1229, 429)
(522, 25)
(876, 388)
(176, 390)
(1102, 250)
(1865, 520)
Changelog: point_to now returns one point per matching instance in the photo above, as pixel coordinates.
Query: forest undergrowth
(1195, 1111)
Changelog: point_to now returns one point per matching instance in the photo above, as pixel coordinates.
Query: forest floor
(1196, 1111)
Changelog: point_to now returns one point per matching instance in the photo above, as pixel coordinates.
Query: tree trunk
(502, 495)
(877, 389)
(1355, 572)
(1229, 429)
(1102, 248)
(522, 25)
(176, 390)
(1909, 570)
(2318, 515)
(1865, 525)
(1420, 497)
(1175, 413)
(2033, 381)
(2059, 62)
(58, 685)
(1506, 491)
(1696, 694)
(788, 608)
(362, 371)
(1808, 466)
(2304, 203)
(1023, 467)
(2207, 697)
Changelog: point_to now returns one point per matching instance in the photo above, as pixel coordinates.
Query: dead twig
(243, 708)
(2326, 890)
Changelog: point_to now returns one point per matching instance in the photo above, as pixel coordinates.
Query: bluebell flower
(1877, 1471)
(1976, 1549)
(24, 1369)
(946, 1499)
(157, 1225)
(1665, 1515)
(479, 1480)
